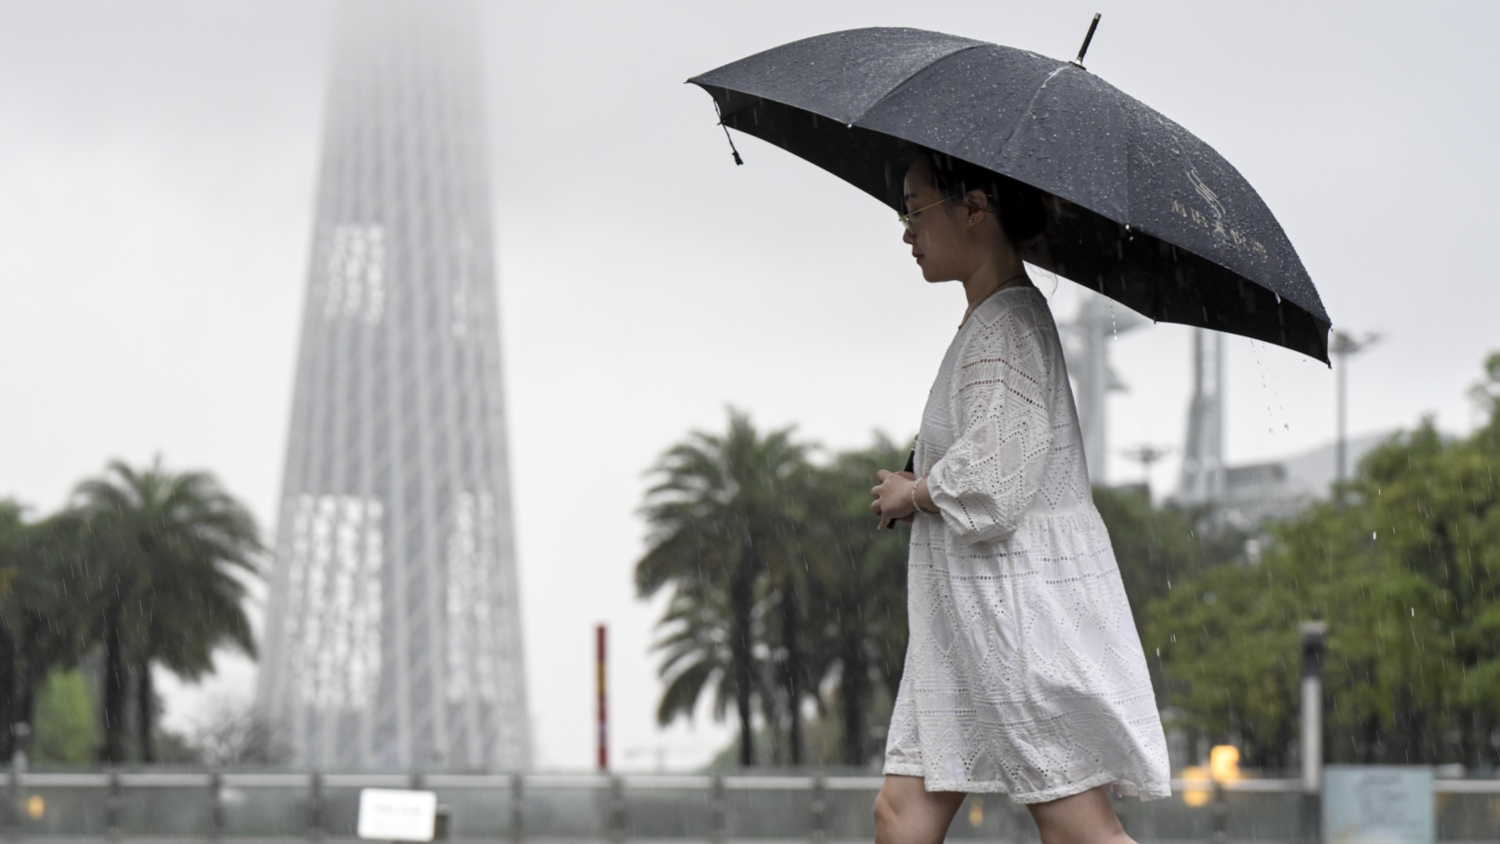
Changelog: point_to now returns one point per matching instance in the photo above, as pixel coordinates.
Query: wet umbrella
(1146, 213)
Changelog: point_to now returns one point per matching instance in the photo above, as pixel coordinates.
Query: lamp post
(602, 701)
(1224, 767)
(1344, 345)
(20, 733)
(1314, 634)
(1146, 455)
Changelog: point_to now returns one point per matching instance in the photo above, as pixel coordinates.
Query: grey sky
(157, 169)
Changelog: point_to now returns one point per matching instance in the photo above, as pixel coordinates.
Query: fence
(245, 806)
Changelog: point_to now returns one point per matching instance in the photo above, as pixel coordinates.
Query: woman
(1024, 674)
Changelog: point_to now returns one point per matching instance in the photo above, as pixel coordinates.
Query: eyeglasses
(906, 218)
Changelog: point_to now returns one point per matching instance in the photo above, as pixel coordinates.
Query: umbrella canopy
(1148, 214)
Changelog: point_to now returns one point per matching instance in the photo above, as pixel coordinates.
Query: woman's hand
(892, 497)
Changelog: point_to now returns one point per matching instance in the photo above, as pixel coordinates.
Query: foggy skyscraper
(392, 633)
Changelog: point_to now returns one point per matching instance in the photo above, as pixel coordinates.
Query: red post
(603, 708)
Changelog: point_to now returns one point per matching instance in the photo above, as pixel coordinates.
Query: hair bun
(1021, 208)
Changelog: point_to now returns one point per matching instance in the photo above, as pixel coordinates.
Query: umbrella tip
(722, 125)
(1093, 25)
(732, 151)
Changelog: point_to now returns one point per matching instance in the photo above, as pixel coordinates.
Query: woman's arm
(1002, 397)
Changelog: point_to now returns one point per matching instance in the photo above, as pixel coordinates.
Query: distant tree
(66, 729)
(235, 733)
(721, 516)
(695, 652)
(13, 530)
(166, 547)
(856, 581)
(41, 616)
(1155, 547)
(1159, 548)
(1403, 572)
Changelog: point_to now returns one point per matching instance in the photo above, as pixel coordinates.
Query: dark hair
(1020, 207)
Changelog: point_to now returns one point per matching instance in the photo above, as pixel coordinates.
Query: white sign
(390, 815)
(1377, 804)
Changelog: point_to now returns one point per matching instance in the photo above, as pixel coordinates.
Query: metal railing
(243, 805)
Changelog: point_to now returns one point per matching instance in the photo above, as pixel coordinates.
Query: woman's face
(940, 238)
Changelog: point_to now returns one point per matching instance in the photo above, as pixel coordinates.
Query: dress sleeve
(1002, 399)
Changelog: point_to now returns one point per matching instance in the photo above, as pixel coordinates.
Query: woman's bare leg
(1085, 818)
(907, 813)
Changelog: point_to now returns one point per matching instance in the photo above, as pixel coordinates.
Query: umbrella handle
(1086, 39)
(911, 466)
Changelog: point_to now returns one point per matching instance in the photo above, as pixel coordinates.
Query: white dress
(1024, 674)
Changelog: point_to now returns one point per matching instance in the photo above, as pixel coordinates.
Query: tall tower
(1086, 349)
(393, 638)
(1203, 476)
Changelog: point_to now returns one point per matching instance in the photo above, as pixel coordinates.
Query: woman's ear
(976, 199)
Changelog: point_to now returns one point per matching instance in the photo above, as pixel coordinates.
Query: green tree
(856, 578)
(1155, 547)
(41, 623)
(721, 517)
(167, 547)
(13, 530)
(66, 728)
(1158, 548)
(1403, 574)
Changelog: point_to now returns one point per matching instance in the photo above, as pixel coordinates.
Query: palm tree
(12, 542)
(695, 653)
(170, 546)
(858, 576)
(791, 656)
(40, 625)
(722, 512)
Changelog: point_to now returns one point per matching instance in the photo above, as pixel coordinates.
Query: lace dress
(1024, 674)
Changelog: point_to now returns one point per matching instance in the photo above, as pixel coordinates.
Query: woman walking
(1024, 674)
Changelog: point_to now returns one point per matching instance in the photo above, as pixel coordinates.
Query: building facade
(393, 638)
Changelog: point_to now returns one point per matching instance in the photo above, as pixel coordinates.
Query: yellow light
(1199, 787)
(1224, 763)
(36, 807)
(976, 811)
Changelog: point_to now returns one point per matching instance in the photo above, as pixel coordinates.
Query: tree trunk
(8, 708)
(144, 701)
(741, 596)
(32, 670)
(112, 751)
(792, 671)
(854, 694)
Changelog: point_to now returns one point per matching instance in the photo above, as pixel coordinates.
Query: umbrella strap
(732, 151)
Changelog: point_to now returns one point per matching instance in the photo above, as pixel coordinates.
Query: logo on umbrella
(1206, 192)
(1215, 225)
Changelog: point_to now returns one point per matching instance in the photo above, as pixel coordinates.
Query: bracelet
(914, 505)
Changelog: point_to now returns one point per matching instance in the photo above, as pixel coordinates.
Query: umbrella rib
(913, 75)
(1030, 106)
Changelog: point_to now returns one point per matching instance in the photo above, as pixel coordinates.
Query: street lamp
(1224, 768)
(1146, 455)
(1344, 345)
(1314, 643)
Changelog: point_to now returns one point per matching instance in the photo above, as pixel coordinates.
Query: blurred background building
(1243, 496)
(393, 638)
(1086, 340)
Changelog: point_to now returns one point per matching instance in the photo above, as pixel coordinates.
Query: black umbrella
(1149, 215)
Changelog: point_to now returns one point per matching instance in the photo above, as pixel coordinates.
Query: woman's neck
(1003, 271)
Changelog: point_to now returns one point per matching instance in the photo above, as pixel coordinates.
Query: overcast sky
(158, 169)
